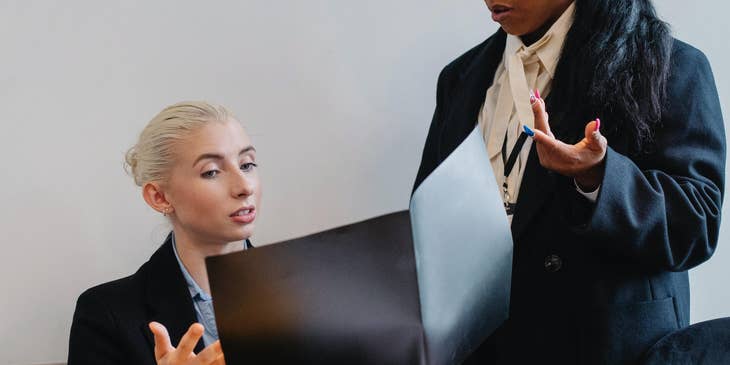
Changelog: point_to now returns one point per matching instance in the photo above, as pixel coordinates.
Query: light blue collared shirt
(202, 302)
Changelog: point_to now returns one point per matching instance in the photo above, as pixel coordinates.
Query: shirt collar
(196, 292)
(549, 47)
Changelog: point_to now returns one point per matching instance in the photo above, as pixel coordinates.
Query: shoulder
(126, 294)
(106, 324)
(113, 291)
(112, 298)
(686, 59)
(101, 316)
(109, 320)
(685, 51)
(691, 83)
(464, 62)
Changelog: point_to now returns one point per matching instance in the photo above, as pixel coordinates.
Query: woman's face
(214, 188)
(522, 17)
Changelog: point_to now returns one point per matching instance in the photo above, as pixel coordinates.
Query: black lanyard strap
(509, 164)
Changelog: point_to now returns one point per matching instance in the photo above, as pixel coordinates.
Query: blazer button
(553, 263)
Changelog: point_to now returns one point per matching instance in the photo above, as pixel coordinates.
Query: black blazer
(110, 322)
(600, 283)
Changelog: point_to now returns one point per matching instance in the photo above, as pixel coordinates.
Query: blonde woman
(196, 165)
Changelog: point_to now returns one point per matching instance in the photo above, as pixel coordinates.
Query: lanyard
(509, 163)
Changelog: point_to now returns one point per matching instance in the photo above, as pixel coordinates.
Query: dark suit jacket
(110, 322)
(600, 283)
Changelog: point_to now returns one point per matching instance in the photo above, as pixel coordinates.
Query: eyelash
(213, 173)
(249, 166)
(209, 174)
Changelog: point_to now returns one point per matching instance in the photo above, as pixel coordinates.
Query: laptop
(422, 286)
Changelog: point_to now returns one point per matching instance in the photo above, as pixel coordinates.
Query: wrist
(591, 179)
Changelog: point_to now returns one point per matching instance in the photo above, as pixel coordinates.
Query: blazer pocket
(620, 334)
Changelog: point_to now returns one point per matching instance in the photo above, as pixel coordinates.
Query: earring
(164, 212)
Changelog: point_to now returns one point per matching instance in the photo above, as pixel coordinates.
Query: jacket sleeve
(94, 333)
(664, 209)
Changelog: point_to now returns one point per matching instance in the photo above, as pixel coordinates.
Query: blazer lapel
(469, 93)
(167, 296)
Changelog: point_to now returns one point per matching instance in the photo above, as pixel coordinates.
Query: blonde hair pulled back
(152, 156)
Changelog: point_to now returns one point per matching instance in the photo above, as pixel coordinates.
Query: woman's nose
(244, 185)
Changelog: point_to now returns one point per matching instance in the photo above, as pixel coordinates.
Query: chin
(515, 31)
(245, 233)
(234, 235)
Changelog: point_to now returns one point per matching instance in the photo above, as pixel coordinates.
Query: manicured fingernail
(537, 93)
(528, 131)
(598, 124)
(533, 99)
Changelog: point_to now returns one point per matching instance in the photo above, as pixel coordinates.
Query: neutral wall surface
(337, 96)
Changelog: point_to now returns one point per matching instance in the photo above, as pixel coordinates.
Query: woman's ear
(155, 198)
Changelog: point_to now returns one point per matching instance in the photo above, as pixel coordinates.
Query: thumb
(162, 340)
(596, 141)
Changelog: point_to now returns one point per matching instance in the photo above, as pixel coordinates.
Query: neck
(193, 251)
(532, 37)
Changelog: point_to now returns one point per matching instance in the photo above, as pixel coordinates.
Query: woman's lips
(244, 216)
(500, 12)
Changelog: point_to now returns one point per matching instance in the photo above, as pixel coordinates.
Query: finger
(596, 141)
(190, 339)
(220, 360)
(162, 340)
(541, 116)
(211, 353)
(544, 139)
(550, 148)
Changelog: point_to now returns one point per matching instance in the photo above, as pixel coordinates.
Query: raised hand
(582, 161)
(166, 354)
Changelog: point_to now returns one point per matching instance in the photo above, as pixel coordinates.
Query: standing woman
(618, 193)
(197, 166)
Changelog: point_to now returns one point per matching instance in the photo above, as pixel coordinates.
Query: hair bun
(151, 157)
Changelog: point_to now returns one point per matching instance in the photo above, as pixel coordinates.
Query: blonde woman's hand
(582, 161)
(166, 354)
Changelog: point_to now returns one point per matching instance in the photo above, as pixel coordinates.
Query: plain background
(337, 96)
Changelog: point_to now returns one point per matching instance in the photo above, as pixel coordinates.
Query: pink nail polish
(533, 99)
(598, 124)
(537, 93)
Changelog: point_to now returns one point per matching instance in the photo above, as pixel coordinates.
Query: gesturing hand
(165, 354)
(582, 161)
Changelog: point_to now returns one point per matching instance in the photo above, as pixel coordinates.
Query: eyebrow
(215, 156)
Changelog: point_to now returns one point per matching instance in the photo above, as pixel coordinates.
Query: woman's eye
(248, 166)
(209, 174)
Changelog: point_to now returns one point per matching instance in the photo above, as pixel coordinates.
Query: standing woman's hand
(582, 161)
(166, 354)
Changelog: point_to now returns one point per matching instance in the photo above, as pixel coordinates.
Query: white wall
(336, 95)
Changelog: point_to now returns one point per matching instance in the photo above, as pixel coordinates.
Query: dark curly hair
(628, 49)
